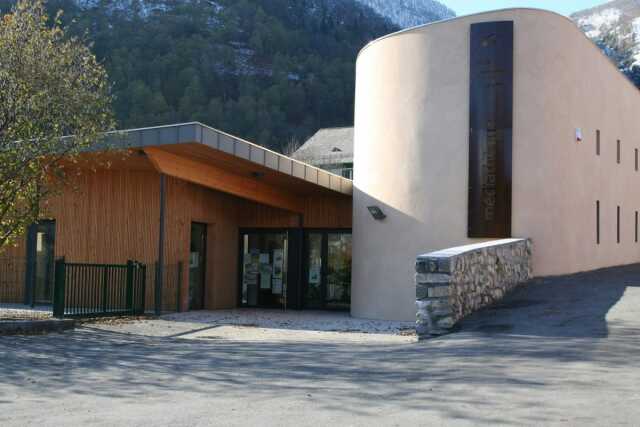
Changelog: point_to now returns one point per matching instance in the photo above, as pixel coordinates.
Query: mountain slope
(270, 71)
(615, 27)
(409, 13)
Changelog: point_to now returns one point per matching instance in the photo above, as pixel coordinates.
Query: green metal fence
(12, 280)
(93, 290)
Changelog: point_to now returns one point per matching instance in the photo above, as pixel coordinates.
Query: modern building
(250, 227)
(502, 124)
(330, 149)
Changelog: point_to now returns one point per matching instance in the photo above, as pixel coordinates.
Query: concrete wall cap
(459, 250)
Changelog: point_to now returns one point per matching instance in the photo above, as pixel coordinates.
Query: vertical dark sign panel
(490, 133)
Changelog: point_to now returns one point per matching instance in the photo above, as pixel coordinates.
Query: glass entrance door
(197, 265)
(338, 294)
(41, 255)
(327, 278)
(314, 295)
(264, 269)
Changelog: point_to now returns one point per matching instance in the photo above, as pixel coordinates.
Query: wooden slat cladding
(108, 217)
(319, 212)
(328, 212)
(255, 215)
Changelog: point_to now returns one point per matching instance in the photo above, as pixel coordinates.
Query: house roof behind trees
(328, 146)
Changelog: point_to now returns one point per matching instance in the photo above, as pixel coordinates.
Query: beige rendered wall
(411, 153)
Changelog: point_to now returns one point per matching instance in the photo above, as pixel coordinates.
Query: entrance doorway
(289, 268)
(41, 261)
(327, 272)
(197, 265)
(264, 257)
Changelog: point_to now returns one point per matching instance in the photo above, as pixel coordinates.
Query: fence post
(129, 287)
(179, 289)
(105, 289)
(144, 288)
(59, 288)
(157, 297)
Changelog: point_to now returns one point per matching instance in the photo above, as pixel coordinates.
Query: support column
(160, 265)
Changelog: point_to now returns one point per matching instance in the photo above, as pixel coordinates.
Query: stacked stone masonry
(453, 283)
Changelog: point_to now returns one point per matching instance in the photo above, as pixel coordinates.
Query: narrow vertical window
(636, 226)
(598, 222)
(618, 225)
(618, 151)
(598, 142)
(636, 160)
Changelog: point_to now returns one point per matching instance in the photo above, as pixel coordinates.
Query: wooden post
(160, 265)
(143, 290)
(105, 289)
(179, 290)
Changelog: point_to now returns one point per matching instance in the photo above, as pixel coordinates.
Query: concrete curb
(35, 327)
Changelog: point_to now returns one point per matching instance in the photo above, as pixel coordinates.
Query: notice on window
(251, 263)
(265, 281)
(265, 276)
(314, 274)
(277, 287)
(194, 260)
(278, 263)
(251, 279)
(264, 258)
(39, 242)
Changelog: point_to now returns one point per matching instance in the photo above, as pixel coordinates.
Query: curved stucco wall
(411, 153)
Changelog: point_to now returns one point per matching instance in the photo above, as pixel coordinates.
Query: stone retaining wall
(453, 283)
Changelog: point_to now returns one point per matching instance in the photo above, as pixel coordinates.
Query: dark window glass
(618, 151)
(197, 265)
(597, 142)
(43, 249)
(598, 222)
(618, 225)
(636, 160)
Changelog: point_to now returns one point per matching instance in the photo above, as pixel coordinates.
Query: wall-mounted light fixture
(376, 213)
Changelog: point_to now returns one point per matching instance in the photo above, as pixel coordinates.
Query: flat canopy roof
(185, 138)
(205, 156)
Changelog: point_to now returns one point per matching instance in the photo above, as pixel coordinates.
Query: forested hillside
(615, 28)
(409, 13)
(271, 71)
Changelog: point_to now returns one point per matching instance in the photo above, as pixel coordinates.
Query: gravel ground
(294, 320)
(265, 325)
(20, 312)
(558, 352)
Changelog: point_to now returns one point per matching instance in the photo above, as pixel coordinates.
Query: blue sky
(565, 7)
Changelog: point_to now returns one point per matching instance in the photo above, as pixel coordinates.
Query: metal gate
(93, 290)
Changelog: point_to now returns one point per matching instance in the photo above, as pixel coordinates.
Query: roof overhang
(200, 154)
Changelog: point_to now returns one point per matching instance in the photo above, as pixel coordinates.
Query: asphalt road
(562, 351)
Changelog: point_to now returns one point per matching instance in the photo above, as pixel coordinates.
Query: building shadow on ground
(574, 306)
